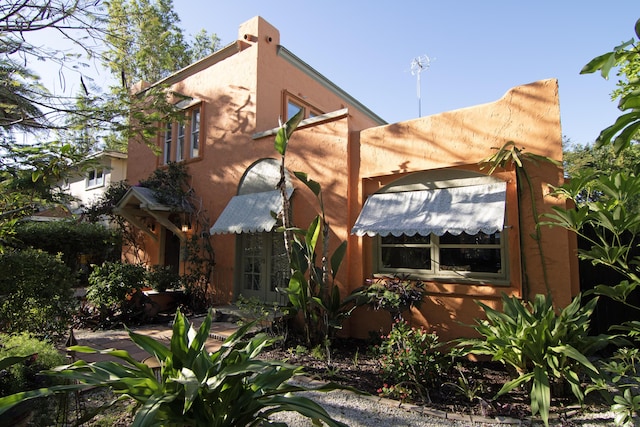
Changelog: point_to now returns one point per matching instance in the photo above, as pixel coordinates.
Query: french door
(264, 266)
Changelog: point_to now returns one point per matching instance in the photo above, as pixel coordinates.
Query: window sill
(94, 187)
(465, 287)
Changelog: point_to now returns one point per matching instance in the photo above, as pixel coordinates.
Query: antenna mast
(418, 65)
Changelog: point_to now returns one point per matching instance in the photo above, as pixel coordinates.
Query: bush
(112, 287)
(193, 386)
(36, 295)
(411, 361)
(163, 277)
(545, 348)
(79, 244)
(25, 375)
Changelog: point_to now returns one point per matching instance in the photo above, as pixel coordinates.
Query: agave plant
(228, 387)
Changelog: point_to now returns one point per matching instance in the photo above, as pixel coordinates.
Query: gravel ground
(368, 411)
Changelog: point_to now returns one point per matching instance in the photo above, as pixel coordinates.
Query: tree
(146, 44)
(62, 129)
(626, 56)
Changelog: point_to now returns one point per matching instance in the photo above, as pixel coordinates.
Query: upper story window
(180, 143)
(185, 139)
(168, 138)
(194, 139)
(95, 178)
(438, 225)
(293, 105)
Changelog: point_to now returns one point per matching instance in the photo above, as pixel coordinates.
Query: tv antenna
(418, 65)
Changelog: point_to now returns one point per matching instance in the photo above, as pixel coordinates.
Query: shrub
(411, 361)
(112, 287)
(229, 387)
(36, 293)
(163, 277)
(545, 348)
(79, 244)
(24, 375)
(393, 294)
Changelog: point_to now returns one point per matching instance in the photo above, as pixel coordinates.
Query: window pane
(180, 144)
(292, 109)
(471, 259)
(470, 239)
(195, 133)
(167, 143)
(280, 269)
(416, 239)
(406, 257)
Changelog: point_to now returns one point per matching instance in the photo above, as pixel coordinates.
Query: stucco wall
(529, 116)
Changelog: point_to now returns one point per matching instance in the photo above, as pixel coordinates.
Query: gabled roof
(141, 202)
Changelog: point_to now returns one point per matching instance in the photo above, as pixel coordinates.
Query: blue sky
(478, 49)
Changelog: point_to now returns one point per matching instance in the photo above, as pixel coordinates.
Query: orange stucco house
(409, 197)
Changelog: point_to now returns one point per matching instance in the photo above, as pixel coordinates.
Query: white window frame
(168, 139)
(194, 141)
(95, 178)
(180, 142)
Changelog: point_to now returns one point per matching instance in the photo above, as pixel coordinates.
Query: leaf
(150, 345)
(337, 257)
(541, 394)
(311, 184)
(284, 133)
(313, 233)
(514, 383)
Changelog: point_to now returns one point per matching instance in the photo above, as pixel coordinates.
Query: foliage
(37, 354)
(509, 155)
(610, 225)
(311, 292)
(619, 384)
(411, 359)
(36, 293)
(229, 387)
(393, 294)
(162, 277)
(466, 387)
(76, 243)
(626, 55)
(542, 346)
(29, 174)
(112, 287)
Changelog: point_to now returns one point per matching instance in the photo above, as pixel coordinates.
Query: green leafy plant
(31, 355)
(312, 291)
(393, 294)
(78, 244)
(466, 387)
(620, 383)
(229, 387)
(621, 134)
(162, 277)
(36, 291)
(625, 406)
(112, 287)
(411, 360)
(543, 347)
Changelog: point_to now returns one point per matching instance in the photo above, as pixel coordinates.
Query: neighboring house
(90, 184)
(87, 185)
(409, 197)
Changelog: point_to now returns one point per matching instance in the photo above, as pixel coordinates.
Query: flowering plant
(393, 294)
(410, 361)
